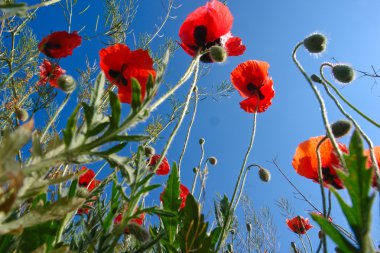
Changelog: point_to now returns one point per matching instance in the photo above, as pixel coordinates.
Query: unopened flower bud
(294, 246)
(67, 83)
(213, 160)
(218, 54)
(315, 43)
(249, 227)
(22, 114)
(201, 141)
(149, 151)
(316, 78)
(320, 234)
(340, 128)
(230, 248)
(264, 174)
(195, 170)
(343, 73)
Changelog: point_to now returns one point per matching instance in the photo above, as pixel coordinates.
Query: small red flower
(50, 72)
(299, 225)
(369, 162)
(182, 195)
(88, 179)
(306, 164)
(139, 221)
(120, 64)
(59, 44)
(164, 167)
(207, 26)
(252, 81)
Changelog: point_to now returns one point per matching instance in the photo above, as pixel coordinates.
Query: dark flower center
(200, 37)
(330, 177)
(117, 76)
(51, 45)
(255, 90)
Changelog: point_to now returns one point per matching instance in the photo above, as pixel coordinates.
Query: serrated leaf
(136, 94)
(68, 132)
(112, 150)
(88, 113)
(334, 234)
(97, 129)
(129, 138)
(73, 189)
(115, 110)
(98, 91)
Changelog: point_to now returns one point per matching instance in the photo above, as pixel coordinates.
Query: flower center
(118, 77)
(255, 90)
(200, 37)
(330, 177)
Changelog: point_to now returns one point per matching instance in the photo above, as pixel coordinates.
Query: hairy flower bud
(343, 73)
(315, 78)
(22, 114)
(340, 128)
(218, 54)
(213, 160)
(67, 83)
(315, 43)
(230, 248)
(201, 141)
(195, 170)
(264, 174)
(149, 151)
(249, 227)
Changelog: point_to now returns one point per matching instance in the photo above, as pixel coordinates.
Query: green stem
(357, 126)
(321, 104)
(54, 118)
(343, 98)
(310, 244)
(188, 130)
(227, 222)
(198, 169)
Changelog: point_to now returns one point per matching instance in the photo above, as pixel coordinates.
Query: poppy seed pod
(340, 128)
(149, 151)
(249, 227)
(218, 54)
(201, 141)
(315, 43)
(264, 174)
(315, 78)
(213, 160)
(22, 114)
(67, 83)
(343, 73)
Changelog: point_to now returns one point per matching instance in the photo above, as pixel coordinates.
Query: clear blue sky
(270, 29)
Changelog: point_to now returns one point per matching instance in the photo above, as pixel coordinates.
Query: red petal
(234, 46)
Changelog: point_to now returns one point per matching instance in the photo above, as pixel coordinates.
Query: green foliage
(357, 180)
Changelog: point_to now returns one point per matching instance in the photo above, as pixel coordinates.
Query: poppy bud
(249, 227)
(201, 141)
(149, 151)
(343, 73)
(320, 234)
(218, 54)
(213, 160)
(315, 43)
(230, 248)
(22, 114)
(340, 128)
(264, 174)
(67, 83)
(195, 170)
(294, 246)
(316, 78)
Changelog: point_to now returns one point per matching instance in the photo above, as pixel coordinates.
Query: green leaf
(342, 243)
(73, 189)
(121, 163)
(129, 138)
(112, 150)
(136, 94)
(150, 91)
(88, 113)
(39, 215)
(115, 110)
(70, 127)
(97, 129)
(96, 94)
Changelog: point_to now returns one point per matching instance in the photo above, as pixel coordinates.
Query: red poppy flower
(207, 26)
(182, 195)
(139, 221)
(306, 164)
(252, 81)
(164, 167)
(120, 64)
(88, 179)
(59, 44)
(50, 72)
(369, 163)
(299, 225)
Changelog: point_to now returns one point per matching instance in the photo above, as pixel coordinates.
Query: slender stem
(243, 183)
(188, 129)
(184, 78)
(198, 168)
(310, 244)
(227, 222)
(321, 104)
(303, 244)
(53, 119)
(203, 180)
(357, 127)
(343, 98)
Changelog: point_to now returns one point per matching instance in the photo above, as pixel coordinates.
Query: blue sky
(270, 29)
